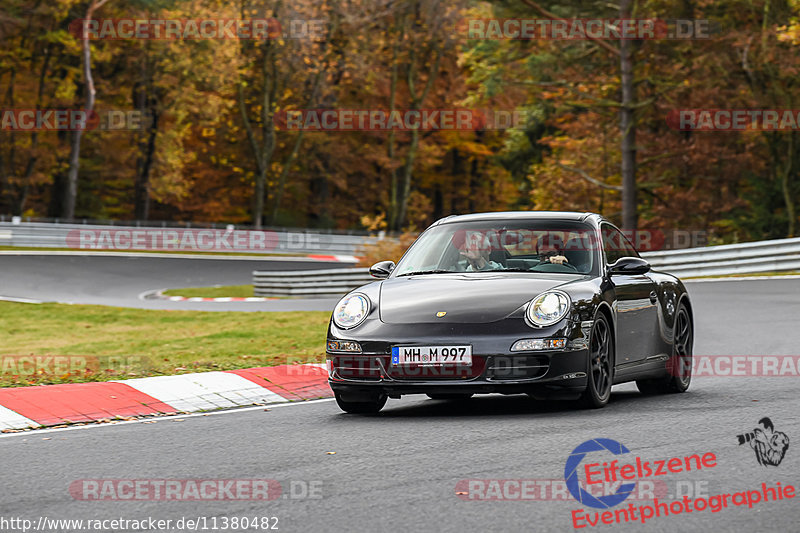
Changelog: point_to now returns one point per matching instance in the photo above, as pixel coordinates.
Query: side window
(615, 245)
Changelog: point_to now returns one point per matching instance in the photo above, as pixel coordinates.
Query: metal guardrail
(321, 283)
(281, 241)
(749, 258)
(781, 255)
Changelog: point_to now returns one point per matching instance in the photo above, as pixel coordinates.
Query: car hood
(466, 298)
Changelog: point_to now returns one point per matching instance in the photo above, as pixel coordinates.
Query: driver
(476, 252)
(549, 252)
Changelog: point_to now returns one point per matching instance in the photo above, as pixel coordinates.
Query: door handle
(653, 297)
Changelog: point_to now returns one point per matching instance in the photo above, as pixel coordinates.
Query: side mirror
(381, 270)
(629, 266)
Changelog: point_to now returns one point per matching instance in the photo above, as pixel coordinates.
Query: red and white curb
(336, 258)
(158, 294)
(225, 299)
(55, 405)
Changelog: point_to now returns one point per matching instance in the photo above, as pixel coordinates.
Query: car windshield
(501, 245)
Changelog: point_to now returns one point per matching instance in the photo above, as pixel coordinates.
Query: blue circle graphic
(571, 474)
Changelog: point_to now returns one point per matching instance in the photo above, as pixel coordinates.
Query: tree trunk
(627, 128)
(390, 147)
(269, 75)
(787, 189)
(408, 170)
(71, 189)
(261, 154)
(145, 101)
(417, 101)
(144, 166)
(281, 185)
(7, 166)
(32, 159)
(71, 192)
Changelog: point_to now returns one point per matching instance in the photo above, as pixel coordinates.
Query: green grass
(218, 291)
(124, 343)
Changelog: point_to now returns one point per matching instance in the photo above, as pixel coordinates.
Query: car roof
(522, 215)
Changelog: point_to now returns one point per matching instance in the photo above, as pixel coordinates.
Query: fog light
(344, 346)
(527, 345)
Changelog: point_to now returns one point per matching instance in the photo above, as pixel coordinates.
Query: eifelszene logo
(770, 445)
(614, 472)
(637, 470)
(571, 474)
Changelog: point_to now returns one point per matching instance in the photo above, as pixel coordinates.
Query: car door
(635, 303)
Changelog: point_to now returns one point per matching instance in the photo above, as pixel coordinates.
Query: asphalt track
(121, 279)
(398, 471)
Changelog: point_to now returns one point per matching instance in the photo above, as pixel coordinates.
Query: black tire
(600, 365)
(362, 407)
(449, 396)
(679, 367)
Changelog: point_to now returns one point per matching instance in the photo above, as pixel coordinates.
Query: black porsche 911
(554, 305)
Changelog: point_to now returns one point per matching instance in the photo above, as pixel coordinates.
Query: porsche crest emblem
(440, 314)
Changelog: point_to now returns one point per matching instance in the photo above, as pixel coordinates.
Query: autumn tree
(279, 72)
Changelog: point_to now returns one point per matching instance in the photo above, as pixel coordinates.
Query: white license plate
(431, 355)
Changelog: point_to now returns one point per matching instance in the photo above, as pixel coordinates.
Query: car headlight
(548, 308)
(351, 311)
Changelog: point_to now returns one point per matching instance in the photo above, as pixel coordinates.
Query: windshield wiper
(427, 272)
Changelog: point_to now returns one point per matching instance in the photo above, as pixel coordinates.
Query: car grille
(512, 367)
(370, 368)
(357, 367)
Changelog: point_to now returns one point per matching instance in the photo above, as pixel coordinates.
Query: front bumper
(494, 369)
(546, 375)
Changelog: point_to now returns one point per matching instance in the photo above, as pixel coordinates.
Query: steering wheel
(547, 266)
